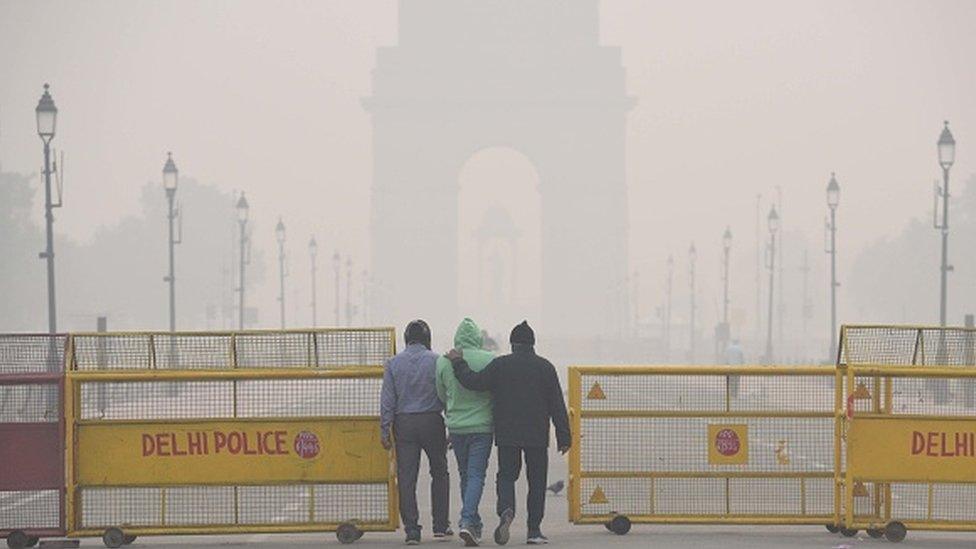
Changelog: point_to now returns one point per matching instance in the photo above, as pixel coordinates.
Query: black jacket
(526, 395)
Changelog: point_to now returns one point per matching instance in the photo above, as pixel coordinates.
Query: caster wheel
(620, 525)
(848, 532)
(348, 533)
(607, 526)
(113, 538)
(895, 531)
(32, 541)
(833, 528)
(128, 539)
(17, 540)
(875, 533)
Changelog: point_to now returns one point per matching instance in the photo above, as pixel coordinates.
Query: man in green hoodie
(469, 422)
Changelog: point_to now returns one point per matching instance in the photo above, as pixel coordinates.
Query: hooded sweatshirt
(467, 411)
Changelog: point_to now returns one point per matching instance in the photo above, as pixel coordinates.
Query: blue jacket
(408, 385)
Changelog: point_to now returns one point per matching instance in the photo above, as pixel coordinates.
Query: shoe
(444, 534)
(413, 537)
(502, 533)
(536, 538)
(469, 537)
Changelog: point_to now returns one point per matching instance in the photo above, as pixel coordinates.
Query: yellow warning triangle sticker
(596, 392)
(861, 392)
(598, 496)
(860, 491)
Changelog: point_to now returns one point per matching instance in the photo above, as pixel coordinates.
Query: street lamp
(242, 213)
(280, 237)
(772, 221)
(313, 250)
(833, 199)
(692, 256)
(336, 265)
(947, 156)
(47, 121)
(171, 177)
(722, 333)
(349, 291)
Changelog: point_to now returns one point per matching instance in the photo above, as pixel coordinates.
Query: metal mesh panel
(192, 351)
(103, 507)
(906, 346)
(112, 352)
(336, 348)
(275, 350)
(200, 505)
(681, 444)
(360, 502)
(29, 509)
(157, 400)
(31, 353)
(912, 395)
(709, 393)
(274, 504)
(309, 397)
(950, 502)
(30, 403)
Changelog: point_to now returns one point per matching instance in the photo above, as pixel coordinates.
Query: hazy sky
(734, 99)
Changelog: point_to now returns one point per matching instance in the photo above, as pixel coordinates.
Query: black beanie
(417, 332)
(523, 334)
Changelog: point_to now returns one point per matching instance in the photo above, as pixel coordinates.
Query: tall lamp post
(772, 221)
(947, 156)
(692, 256)
(667, 310)
(313, 250)
(349, 291)
(280, 237)
(724, 332)
(170, 181)
(47, 118)
(833, 199)
(242, 213)
(336, 265)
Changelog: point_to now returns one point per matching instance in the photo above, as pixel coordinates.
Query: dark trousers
(413, 433)
(536, 471)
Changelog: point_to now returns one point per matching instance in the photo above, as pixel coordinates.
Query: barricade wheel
(620, 525)
(113, 538)
(17, 540)
(129, 538)
(607, 526)
(895, 531)
(848, 532)
(833, 528)
(32, 541)
(348, 533)
(876, 533)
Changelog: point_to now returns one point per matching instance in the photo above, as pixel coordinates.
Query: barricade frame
(232, 373)
(621, 524)
(54, 479)
(882, 376)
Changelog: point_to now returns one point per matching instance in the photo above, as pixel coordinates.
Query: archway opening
(499, 241)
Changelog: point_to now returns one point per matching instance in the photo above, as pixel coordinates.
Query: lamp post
(242, 213)
(947, 156)
(692, 256)
(170, 181)
(336, 265)
(348, 291)
(47, 118)
(313, 250)
(723, 332)
(833, 199)
(280, 237)
(772, 221)
(667, 310)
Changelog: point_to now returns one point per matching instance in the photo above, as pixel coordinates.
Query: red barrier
(31, 438)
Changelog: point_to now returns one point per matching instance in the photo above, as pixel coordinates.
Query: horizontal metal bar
(685, 370)
(32, 378)
(880, 370)
(912, 417)
(179, 422)
(362, 480)
(702, 414)
(237, 529)
(713, 519)
(212, 333)
(707, 474)
(128, 375)
(934, 525)
(906, 327)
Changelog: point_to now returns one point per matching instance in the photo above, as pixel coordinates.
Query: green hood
(468, 335)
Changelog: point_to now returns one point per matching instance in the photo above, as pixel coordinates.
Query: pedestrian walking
(411, 409)
(527, 397)
(469, 425)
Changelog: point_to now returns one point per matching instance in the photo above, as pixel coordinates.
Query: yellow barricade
(207, 433)
(688, 444)
(909, 429)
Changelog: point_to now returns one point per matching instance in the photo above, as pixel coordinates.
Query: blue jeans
(472, 452)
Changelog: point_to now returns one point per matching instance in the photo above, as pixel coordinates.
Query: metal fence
(909, 429)
(679, 444)
(31, 437)
(228, 433)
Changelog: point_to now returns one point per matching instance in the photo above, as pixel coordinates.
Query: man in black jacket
(527, 396)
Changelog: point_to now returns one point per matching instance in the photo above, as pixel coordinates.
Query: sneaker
(469, 537)
(413, 537)
(447, 533)
(501, 533)
(536, 538)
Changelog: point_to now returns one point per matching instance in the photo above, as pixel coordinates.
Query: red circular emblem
(727, 442)
(306, 445)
